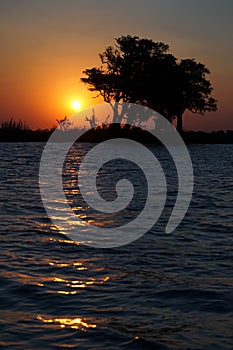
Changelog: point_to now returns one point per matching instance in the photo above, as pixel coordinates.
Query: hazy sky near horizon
(46, 44)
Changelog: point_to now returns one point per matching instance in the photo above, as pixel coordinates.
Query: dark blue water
(164, 291)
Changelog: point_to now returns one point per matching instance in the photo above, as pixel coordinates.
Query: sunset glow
(40, 75)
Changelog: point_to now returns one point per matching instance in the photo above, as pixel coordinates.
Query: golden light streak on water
(75, 323)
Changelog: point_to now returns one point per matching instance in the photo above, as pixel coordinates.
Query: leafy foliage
(145, 72)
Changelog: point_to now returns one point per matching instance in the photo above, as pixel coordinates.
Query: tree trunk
(115, 113)
(179, 124)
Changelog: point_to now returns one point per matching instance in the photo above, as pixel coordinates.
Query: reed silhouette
(18, 131)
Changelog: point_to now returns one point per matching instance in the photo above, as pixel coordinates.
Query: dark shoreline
(100, 134)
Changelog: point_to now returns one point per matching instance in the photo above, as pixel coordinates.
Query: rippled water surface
(163, 291)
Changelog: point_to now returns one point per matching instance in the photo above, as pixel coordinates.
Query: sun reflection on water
(70, 285)
(66, 241)
(75, 323)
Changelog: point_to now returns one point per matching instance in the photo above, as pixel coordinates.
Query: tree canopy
(144, 72)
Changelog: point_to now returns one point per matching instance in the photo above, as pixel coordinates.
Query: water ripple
(160, 292)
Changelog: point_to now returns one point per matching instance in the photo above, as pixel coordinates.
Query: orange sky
(45, 46)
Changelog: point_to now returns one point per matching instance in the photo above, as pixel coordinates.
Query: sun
(76, 105)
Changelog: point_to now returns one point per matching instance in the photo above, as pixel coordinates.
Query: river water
(163, 291)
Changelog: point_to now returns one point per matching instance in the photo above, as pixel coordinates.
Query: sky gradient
(46, 44)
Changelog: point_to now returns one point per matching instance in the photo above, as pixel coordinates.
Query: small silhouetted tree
(143, 71)
(93, 122)
(64, 123)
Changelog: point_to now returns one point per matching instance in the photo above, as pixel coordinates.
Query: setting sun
(76, 105)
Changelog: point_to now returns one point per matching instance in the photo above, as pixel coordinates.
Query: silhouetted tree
(144, 72)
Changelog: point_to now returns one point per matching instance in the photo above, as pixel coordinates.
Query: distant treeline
(13, 131)
(211, 137)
